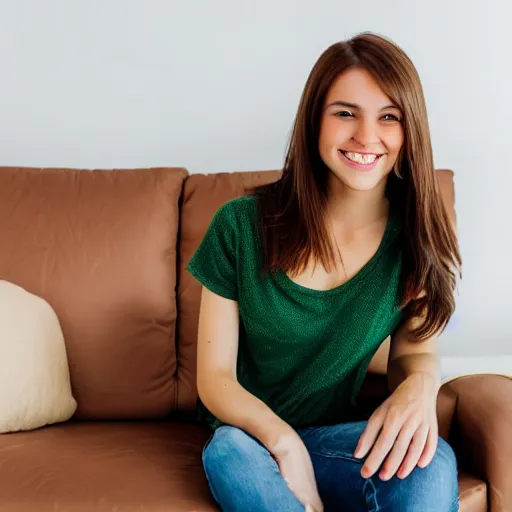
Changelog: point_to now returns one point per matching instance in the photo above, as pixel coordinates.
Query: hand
(405, 425)
(297, 470)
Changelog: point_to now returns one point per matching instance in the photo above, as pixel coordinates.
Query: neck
(355, 209)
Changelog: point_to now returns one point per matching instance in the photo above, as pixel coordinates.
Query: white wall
(213, 86)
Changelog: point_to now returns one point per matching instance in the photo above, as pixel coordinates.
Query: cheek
(332, 133)
(395, 142)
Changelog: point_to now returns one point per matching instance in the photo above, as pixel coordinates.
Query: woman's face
(361, 132)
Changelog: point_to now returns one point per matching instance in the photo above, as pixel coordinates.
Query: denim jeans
(244, 477)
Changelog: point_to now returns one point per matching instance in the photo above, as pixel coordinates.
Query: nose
(366, 133)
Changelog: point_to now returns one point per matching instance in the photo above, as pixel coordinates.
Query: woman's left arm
(402, 433)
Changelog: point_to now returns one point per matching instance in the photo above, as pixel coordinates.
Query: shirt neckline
(287, 282)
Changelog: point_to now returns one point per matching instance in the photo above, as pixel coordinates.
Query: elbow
(201, 387)
(213, 384)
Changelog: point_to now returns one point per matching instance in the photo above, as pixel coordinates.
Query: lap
(339, 479)
(337, 441)
(243, 475)
(236, 455)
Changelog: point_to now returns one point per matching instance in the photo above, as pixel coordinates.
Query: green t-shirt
(303, 352)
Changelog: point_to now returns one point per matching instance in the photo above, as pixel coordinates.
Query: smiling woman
(306, 278)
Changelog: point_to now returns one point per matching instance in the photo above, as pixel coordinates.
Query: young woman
(302, 283)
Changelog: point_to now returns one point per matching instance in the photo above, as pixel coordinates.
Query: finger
(382, 447)
(399, 451)
(370, 433)
(430, 447)
(414, 453)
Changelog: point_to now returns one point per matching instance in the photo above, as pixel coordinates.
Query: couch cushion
(100, 248)
(102, 467)
(127, 467)
(202, 196)
(473, 494)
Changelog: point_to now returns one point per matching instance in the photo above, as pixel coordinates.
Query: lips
(360, 161)
(361, 158)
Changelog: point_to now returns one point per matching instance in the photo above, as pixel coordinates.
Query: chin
(361, 182)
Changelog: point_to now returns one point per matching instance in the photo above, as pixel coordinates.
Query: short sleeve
(214, 262)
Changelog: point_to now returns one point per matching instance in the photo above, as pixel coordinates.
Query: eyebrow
(353, 105)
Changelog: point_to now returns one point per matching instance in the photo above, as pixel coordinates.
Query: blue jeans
(244, 477)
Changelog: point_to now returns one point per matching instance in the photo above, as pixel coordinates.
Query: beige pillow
(35, 387)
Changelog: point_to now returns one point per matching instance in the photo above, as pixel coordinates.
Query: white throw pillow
(35, 387)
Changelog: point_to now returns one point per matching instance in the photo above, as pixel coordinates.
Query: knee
(227, 450)
(442, 468)
(436, 483)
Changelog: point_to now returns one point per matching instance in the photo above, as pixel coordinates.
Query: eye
(344, 113)
(390, 117)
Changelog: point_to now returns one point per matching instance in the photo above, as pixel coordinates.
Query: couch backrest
(202, 196)
(100, 247)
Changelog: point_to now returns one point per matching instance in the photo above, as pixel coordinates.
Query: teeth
(360, 158)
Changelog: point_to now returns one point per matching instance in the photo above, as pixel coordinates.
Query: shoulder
(242, 203)
(239, 210)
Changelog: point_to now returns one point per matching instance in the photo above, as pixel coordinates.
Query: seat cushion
(473, 494)
(104, 466)
(126, 467)
(100, 248)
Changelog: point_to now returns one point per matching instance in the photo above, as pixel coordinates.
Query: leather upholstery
(100, 247)
(105, 467)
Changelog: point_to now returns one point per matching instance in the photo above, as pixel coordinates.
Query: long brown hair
(293, 208)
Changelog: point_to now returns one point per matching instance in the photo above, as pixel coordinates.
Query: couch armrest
(482, 433)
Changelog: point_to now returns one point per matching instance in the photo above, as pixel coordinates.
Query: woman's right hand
(297, 470)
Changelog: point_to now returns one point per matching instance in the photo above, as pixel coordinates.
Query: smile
(360, 160)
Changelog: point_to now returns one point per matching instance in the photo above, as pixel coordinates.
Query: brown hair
(292, 209)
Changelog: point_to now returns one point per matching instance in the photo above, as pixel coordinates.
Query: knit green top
(303, 352)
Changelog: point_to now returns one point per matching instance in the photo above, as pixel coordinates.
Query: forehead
(356, 85)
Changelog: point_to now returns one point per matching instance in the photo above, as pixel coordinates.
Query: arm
(405, 425)
(409, 357)
(217, 383)
(222, 394)
(399, 357)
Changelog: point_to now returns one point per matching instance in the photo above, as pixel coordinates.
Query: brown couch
(108, 249)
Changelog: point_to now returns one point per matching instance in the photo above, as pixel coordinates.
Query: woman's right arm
(217, 383)
(222, 394)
